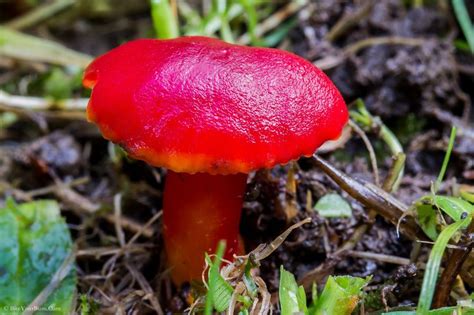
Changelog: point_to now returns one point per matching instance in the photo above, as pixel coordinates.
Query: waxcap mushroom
(210, 112)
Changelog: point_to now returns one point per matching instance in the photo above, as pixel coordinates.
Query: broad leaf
(35, 243)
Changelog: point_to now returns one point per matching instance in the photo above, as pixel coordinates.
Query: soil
(419, 91)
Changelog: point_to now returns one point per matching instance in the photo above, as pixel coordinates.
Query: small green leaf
(467, 193)
(292, 297)
(88, 305)
(35, 244)
(455, 207)
(333, 206)
(7, 119)
(340, 295)
(301, 298)
(220, 292)
(428, 220)
(248, 280)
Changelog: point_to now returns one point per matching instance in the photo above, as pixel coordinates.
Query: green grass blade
(292, 297)
(225, 31)
(21, 46)
(432, 267)
(452, 137)
(252, 19)
(164, 21)
(465, 22)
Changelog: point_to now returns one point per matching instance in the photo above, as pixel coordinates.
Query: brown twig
(150, 295)
(380, 257)
(319, 273)
(370, 149)
(348, 21)
(448, 118)
(274, 20)
(374, 198)
(99, 252)
(39, 14)
(394, 172)
(41, 103)
(453, 267)
(118, 219)
(333, 61)
(65, 193)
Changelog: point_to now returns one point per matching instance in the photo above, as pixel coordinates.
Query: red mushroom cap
(197, 104)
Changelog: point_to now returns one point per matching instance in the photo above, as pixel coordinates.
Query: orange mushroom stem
(198, 211)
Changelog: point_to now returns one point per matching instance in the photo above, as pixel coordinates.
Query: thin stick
(117, 217)
(379, 257)
(131, 225)
(370, 149)
(51, 188)
(331, 61)
(83, 205)
(383, 40)
(394, 172)
(348, 21)
(20, 46)
(373, 198)
(273, 21)
(269, 248)
(39, 14)
(150, 295)
(108, 251)
(146, 228)
(39, 103)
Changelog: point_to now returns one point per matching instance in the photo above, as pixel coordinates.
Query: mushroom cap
(198, 104)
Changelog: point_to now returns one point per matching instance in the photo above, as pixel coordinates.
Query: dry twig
(39, 14)
(330, 62)
(40, 103)
(274, 20)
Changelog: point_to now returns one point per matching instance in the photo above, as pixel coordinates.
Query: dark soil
(419, 91)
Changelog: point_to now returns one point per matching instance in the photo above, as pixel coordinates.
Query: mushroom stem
(198, 211)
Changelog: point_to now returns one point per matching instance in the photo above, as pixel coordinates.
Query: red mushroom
(210, 112)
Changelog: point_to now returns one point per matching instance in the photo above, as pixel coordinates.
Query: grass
(164, 20)
(432, 267)
(447, 156)
(465, 22)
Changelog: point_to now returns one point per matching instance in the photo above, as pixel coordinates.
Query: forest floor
(400, 59)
